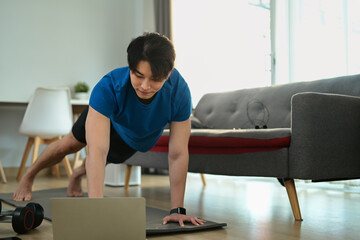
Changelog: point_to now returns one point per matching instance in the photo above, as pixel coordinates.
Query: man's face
(142, 81)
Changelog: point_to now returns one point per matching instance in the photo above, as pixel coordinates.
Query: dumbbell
(25, 218)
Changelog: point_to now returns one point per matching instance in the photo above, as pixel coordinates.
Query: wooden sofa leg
(203, 179)
(127, 177)
(291, 191)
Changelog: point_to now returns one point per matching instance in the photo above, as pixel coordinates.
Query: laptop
(98, 218)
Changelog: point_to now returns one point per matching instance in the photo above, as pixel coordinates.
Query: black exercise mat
(154, 216)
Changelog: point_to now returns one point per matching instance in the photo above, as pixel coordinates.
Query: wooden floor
(253, 208)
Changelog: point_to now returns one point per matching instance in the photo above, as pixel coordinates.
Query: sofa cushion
(195, 122)
(226, 141)
(270, 106)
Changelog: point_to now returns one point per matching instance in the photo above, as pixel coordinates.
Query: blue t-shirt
(140, 125)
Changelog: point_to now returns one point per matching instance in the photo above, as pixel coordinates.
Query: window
(222, 45)
(226, 45)
(323, 39)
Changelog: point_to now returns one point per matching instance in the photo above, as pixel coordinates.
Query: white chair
(47, 118)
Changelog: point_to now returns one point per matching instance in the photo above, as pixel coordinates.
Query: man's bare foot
(74, 188)
(23, 191)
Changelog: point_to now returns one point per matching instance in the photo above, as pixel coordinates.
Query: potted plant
(81, 90)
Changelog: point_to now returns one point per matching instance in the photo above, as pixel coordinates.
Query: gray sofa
(303, 130)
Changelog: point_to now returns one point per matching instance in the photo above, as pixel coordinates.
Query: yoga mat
(154, 216)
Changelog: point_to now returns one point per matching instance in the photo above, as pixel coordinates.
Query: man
(129, 108)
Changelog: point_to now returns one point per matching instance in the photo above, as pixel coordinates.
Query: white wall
(57, 43)
(12, 144)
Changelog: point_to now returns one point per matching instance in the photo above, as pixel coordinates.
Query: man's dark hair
(155, 49)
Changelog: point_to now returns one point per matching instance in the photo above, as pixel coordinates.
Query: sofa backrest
(270, 106)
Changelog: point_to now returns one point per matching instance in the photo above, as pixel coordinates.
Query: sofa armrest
(325, 137)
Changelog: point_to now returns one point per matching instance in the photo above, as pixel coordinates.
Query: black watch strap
(178, 210)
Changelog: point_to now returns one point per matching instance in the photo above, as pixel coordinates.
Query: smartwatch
(178, 210)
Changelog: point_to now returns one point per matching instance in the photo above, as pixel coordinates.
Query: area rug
(154, 216)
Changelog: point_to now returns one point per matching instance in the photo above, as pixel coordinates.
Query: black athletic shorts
(119, 151)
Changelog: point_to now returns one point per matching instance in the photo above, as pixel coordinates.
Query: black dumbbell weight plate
(23, 220)
(38, 211)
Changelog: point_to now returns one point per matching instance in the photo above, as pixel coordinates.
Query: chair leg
(25, 157)
(37, 141)
(56, 171)
(65, 161)
(2, 173)
(47, 142)
(127, 177)
(67, 165)
(76, 159)
(291, 191)
(203, 178)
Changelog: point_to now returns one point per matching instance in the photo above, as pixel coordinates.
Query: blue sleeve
(183, 105)
(102, 97)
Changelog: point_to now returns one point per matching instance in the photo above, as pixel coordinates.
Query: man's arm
(98, 140)
(178, 167)
(178, 161)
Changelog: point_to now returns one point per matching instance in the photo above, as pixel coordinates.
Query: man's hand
(180, 218)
